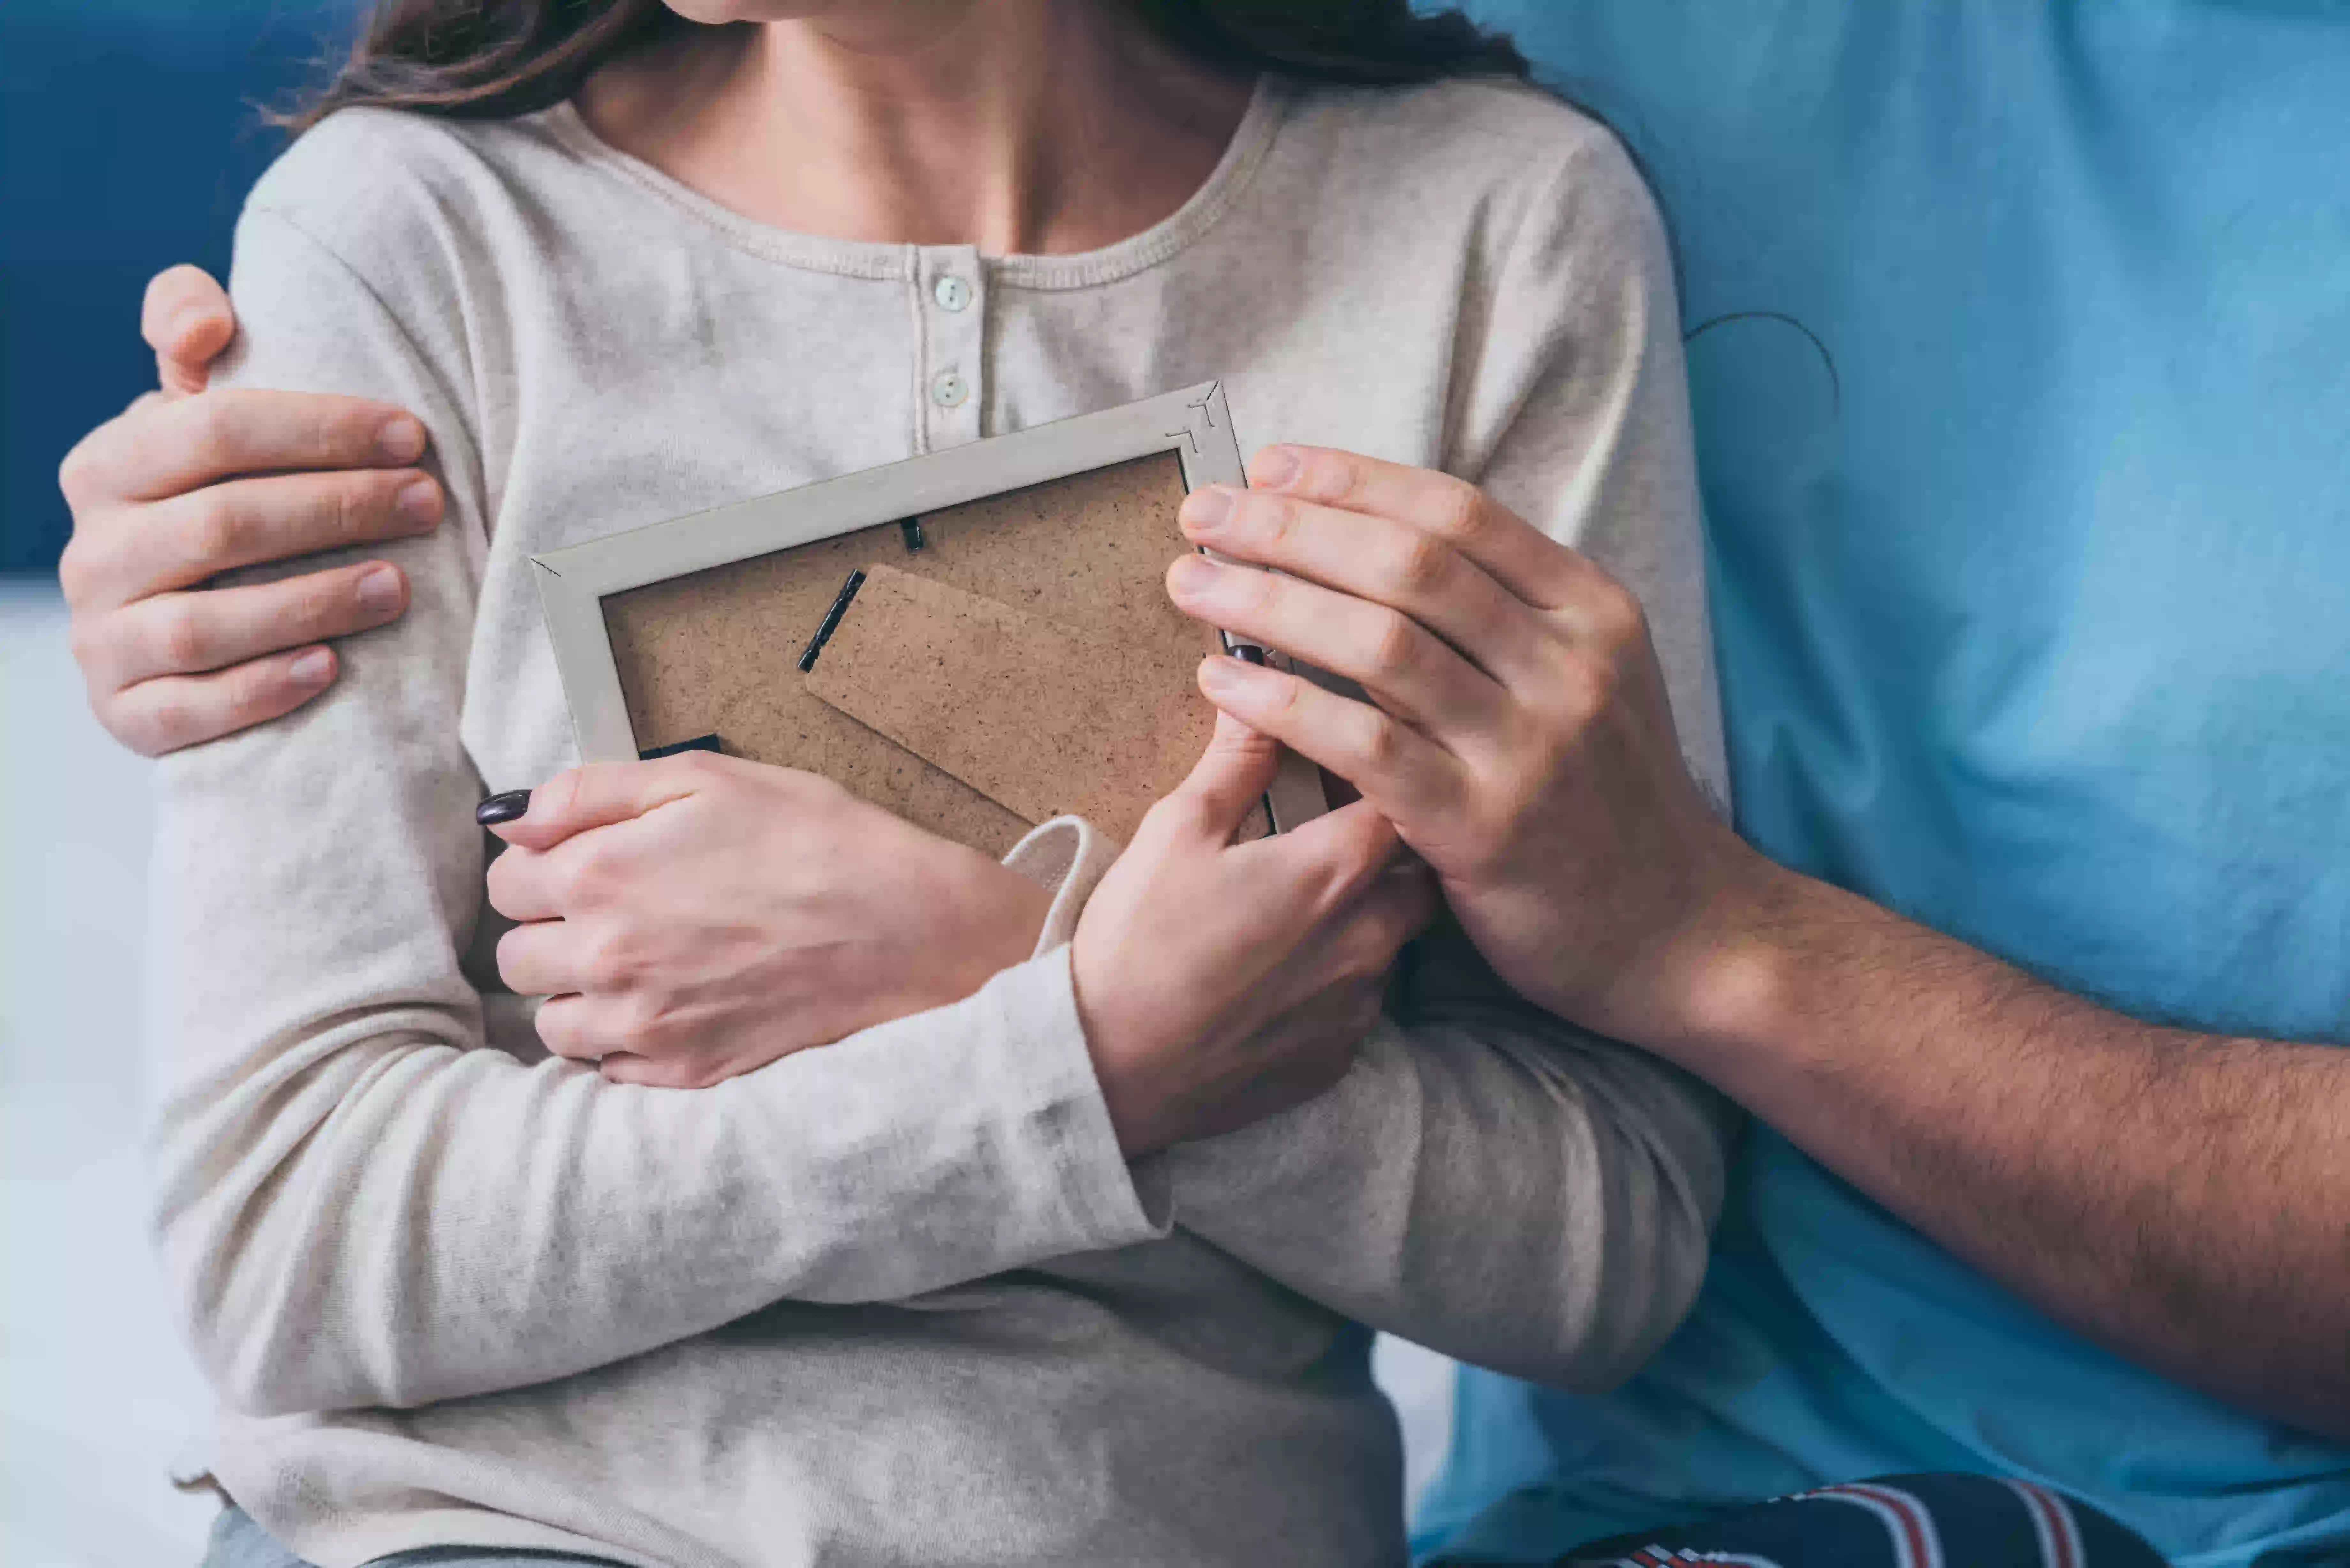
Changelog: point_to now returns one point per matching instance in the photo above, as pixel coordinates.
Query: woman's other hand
(1219, 983)
(698, 916)
(1518, 734)
(188, 482)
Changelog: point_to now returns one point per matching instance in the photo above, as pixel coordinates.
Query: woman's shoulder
(387, 184)
(1472, 135)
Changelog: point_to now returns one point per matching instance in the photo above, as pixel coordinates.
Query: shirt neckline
(1238, 165)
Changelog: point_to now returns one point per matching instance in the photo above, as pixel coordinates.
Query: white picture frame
(574, 582)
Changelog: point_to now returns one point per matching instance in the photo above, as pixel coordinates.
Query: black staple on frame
(831, 620)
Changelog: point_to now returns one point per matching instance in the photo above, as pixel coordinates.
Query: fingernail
(1276, 466)
(1204, 511)
(312, 669)
(1221, 675)
(400, 441)
(508, 806)
(1192, 576)
(420, 502)
(379, 590)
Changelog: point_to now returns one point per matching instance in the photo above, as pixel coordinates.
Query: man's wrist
(1727, 999)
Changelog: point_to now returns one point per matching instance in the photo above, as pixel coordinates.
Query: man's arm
(2184, 1197)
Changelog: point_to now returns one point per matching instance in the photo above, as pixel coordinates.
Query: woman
(974, 1284)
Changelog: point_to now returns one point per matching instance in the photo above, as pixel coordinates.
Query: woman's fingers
(195, 633)
(187, 321)
(1537, 568)
(1378, 558)
(1410, 671)
(167, 449)
(566, 1027)
(542, 956)
(600, 794)
(1208, 806)
(170, 712)
(1409, 778)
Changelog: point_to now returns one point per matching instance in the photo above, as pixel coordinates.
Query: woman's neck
(1016, 125)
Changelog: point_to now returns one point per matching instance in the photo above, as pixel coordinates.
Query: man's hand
(1517, 733)
(700, 917)
(187, 484)
(2156, 1188)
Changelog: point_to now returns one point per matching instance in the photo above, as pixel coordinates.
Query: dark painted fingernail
(508, 806)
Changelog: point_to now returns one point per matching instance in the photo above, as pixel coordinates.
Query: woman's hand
(1518, 734)
(1219, 983)
(698, 916)
(189, 483)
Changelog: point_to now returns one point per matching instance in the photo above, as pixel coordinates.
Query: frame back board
(997, 645)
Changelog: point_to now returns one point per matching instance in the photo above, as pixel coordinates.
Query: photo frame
(977, 638)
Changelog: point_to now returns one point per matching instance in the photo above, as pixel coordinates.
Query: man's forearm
(2183, 1197)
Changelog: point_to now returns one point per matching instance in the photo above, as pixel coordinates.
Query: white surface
(95, 1392)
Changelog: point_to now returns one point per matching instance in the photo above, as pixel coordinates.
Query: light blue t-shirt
(2021, 355)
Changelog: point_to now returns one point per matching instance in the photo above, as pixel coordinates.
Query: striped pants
(1900, 1522)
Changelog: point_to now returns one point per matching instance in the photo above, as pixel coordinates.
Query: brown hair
(493, 59)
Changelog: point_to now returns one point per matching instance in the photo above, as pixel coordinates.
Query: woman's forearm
(376, 1215)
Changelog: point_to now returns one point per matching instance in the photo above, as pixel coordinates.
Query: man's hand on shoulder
(191, 482)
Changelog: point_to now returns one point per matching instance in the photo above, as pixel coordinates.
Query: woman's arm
(357, 1202)
(1488, 1179)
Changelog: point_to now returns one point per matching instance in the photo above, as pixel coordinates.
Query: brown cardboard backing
(718, 650)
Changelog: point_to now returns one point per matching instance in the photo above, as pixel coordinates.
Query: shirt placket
(951, 305)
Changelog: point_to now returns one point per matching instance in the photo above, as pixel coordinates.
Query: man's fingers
(1412, 672)
(1407, 776)
(183, 541)
(1514, 552)
(602, 793)
(187, 321)
(192, 633)
(174, 711)
(168, 449)
(1376, 559)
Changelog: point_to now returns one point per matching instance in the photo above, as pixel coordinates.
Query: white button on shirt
(949, 284)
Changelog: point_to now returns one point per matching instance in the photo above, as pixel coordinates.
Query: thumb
(598, 795)
(1224, 785)
(187, 321)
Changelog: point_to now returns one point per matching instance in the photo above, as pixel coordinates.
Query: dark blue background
(129, 131)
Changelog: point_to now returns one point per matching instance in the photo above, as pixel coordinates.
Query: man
(2020, 340)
